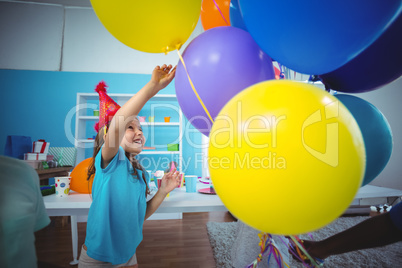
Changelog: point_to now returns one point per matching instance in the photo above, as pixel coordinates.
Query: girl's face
(133, 140)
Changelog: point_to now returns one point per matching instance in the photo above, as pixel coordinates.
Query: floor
(172, 243)
(167, 243)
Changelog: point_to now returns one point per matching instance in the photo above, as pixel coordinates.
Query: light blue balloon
(376, 133)
(236, 19)
(317, 36)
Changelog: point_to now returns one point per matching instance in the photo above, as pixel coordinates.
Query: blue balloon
(376, 66)
(236, 18)
(376, 133)
(317, 37)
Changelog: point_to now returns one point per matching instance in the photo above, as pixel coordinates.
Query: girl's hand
(162, 76)
(170, 181)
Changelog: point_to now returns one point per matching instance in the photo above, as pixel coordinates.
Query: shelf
(159, 152)
(143, 152)
(86, 141)
(84, 118)
(117, 97)
(88, 117)
(91, 117)
(53, 172)
(160, 124)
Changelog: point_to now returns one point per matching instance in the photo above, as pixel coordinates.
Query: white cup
(62, 186)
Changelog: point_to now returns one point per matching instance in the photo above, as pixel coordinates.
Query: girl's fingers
(170, 174)
(165, 67)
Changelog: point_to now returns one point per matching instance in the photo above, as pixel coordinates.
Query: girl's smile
(134, 139)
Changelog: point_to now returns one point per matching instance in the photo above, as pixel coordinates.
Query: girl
(119, 207)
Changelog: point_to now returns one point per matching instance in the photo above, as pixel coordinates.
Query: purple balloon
(221, 62)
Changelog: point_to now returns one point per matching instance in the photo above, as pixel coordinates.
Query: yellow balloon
(149, 26)
(286, 157)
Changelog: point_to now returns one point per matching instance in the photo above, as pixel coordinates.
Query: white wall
(69, 37)
(31, 36)
(53, 37)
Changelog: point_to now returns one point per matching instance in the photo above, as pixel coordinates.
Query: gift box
(35, 156)
(36, 164)
(40, 146)
(65, 156)
(16, 146)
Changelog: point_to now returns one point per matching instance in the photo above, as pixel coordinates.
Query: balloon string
(192, 86)
(315, 264)
(221, 13)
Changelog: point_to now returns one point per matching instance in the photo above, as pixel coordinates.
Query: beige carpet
(223, 235)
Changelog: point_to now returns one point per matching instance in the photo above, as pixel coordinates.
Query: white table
(179, 201)
(76, 204)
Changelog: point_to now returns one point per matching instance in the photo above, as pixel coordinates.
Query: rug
(223, 235)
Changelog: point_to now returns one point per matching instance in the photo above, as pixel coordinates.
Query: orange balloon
(79, 176)
(211, 13)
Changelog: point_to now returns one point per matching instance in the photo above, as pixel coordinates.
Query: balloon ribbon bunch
(268, 247)
(297, 249)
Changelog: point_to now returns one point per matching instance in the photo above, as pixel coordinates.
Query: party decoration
(236, 18)
(312, 39)
(376, 133)
(149, 26)
(108, 107)
(79, 182)
(220, 62)
(376, 66)
(215, 13)
(268, 248)
(286, 157)
(277, 73)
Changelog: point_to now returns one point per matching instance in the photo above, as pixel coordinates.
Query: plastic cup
(159, 180)
(62, 185)
(167, 119)
(141, 118)
(96, 112)
(151, 118)
(191, 183)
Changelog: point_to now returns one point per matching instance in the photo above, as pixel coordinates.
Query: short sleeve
(113, 163)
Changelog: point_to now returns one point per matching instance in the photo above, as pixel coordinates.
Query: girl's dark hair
(134, 162)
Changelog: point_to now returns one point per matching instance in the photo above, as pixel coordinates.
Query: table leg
(74, 237)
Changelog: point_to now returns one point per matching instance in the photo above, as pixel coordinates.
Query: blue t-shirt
(117, 212)
(396, 215)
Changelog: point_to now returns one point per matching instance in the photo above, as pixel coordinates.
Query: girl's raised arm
(161, 77)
